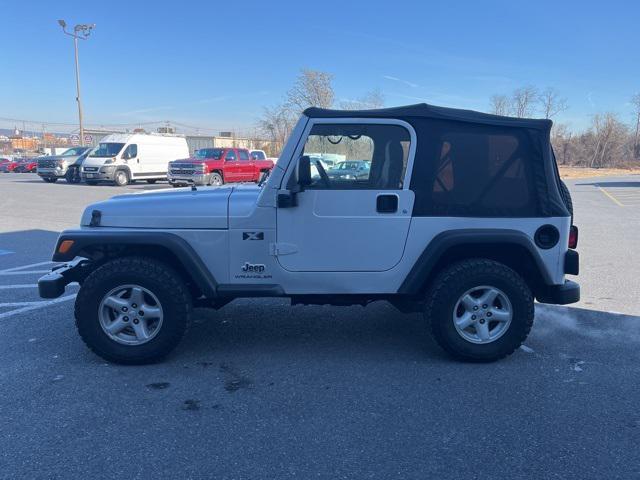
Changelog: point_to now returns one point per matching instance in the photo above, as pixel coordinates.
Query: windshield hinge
(282, 248)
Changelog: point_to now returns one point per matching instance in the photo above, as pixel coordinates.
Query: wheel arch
(510, 247)
(167, 247)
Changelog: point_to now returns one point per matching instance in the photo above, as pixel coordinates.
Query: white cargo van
(124, 157)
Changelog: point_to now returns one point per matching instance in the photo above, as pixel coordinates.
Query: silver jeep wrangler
(461, 216)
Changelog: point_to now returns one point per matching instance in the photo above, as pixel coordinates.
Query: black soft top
(423, 110)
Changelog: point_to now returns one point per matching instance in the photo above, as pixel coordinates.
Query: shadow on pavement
(611, 184)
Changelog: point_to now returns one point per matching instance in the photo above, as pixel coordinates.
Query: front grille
(47, 163)
(182, 171)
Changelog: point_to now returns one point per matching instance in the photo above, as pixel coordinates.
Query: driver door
(131, 160)
(349, 223)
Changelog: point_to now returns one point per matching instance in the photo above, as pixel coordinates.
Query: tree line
(607, 142)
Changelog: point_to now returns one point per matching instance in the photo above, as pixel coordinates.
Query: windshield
(72, 152)
(214, 153)
(107, 150)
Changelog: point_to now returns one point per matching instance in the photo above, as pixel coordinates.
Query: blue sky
(216, 64)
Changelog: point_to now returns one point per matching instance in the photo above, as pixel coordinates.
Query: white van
(124, 157)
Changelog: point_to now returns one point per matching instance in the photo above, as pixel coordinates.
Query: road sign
(88, 139)
(74, 139)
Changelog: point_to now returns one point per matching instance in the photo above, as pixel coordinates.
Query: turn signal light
(65, 246)
(573, 237)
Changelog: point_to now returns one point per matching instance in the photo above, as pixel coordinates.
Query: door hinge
(282, 248)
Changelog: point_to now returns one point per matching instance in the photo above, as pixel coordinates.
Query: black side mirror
(304, 171)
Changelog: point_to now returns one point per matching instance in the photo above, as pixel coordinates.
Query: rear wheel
(480, 310)
(133, 310)
(50, 179)
(72, 176)
(121, 178)
(151, 182)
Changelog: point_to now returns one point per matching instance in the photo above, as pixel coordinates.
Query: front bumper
(196, 178)
(51, 172)
(568, 292)
(103, 174)
(52, 285)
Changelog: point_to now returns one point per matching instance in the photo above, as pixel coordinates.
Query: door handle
(387, 203)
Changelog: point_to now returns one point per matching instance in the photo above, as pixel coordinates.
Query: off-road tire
(50, 180)
(452, 282)
(166, 284)
(216, 179)
(121, 178)
(566, 197)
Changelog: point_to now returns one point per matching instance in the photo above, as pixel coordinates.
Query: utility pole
(82, 32)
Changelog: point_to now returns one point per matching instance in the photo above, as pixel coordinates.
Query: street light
(82, 32)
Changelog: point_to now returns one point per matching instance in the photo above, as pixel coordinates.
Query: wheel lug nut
(481, 320)
(134, 305)
(473, 317)
(489, 314)
(475, 307)
(141, 313)
(126, 319)
(136, 321)
(124, 309)
(484, 306)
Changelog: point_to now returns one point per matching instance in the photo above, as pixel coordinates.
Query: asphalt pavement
(261, 389)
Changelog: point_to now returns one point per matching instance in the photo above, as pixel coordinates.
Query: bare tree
(551, 102)
(276, 124)
(523, 101)
(608, 139)
(311, 89)
(561, 139)
(500, 104)
(373, 99)
(635, 101)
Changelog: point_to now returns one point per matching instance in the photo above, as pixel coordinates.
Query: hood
(204, 208)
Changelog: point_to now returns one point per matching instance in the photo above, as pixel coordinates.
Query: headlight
(109, 160)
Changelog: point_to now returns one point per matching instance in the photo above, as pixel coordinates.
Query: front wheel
(152, 181)
(72, 176)
(121, 178)
(133, 310)
(216, 179)
(480, 310)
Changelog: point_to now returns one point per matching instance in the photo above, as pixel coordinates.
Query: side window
(131, 151)
(357, 156)
(480, 172)
(231, 155)
(243, 154)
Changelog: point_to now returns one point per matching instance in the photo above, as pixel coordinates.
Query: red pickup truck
(217, 166)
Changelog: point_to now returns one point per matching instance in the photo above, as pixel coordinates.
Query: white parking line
(13, 269)
(23, 272)
(36, 306)
(28, 285)
(19, 285)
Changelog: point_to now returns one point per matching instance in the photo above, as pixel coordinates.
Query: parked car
(217, 166)
(463, 218)
(3, 162)
(26, 165)
(53, 168)
(124, 158)
(10, 166)
(350, 170)
(258, 155)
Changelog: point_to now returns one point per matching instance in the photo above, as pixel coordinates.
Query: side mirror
(304, 171)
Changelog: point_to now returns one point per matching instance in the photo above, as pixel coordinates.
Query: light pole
(80, 31)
